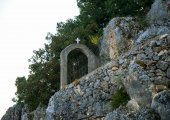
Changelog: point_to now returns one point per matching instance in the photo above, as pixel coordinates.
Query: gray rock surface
(117, 37)
(39, 113)
(168, 73)
(161, 104)
(13, 113)
(115, 116)
(25, 113)
(152, 32)
(160, 12)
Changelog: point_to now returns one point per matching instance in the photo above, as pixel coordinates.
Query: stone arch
(77, 65)
(92, 61)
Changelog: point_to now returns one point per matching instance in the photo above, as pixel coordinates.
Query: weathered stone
(162, 52)
(159, 12)
(168, 73)
(39, 113)
(132, 105)
(92, 61)
(114, 68)
(152, 32)
(117, 37)
(25, 116)
(161, 104)
(116, 116)
(156, 57)
(162, 65)
(13, 113)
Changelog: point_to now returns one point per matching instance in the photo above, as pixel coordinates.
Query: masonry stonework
(92, 61)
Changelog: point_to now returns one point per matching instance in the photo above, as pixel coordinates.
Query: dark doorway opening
(77, 65)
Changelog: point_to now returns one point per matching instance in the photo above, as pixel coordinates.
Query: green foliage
(120, 97)
(94, 39)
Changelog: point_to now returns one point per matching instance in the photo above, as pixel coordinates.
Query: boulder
(117, 37)
(159, 12)
(116, 116)
(136, 83)
(161, 104)
(152, 32)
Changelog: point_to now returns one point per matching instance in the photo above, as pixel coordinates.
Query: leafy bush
(120, 97)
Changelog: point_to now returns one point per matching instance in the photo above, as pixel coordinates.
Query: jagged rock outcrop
(151, 32)
(142, 114)
(118, 37)
(13, 113)
(161, 104)
(18, 112)
(160, 13)
(25, 113)
(145, 77)
(39, 113)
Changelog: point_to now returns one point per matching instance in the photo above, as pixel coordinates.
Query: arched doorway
(77, 65)
(92, 61)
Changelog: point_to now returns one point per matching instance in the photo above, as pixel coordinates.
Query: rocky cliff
(133, 59)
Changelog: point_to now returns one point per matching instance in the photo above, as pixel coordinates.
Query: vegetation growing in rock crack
(120, 97)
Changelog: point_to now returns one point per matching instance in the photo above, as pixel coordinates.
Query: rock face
(161, 104)
(160, 12)
(13, 113)
(85, 98)
(142, 114)
(39, 113)
(117, 37)
(25, 113)
(151, 32)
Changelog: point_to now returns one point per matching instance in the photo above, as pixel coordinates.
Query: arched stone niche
(92, 61)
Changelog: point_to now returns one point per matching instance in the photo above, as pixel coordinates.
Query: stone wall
(87, 97)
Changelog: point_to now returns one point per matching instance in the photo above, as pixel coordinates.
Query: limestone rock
(168, 73)
(117, 37)
(136, 83)
(39, 113)
(114, 68)
(115, 116)
(152, 32)
(50, 109)
(162, 65)
(161, 104)
(159, 12)
(25, 113)
(123, 114)
(13, 113)
(132, 105)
